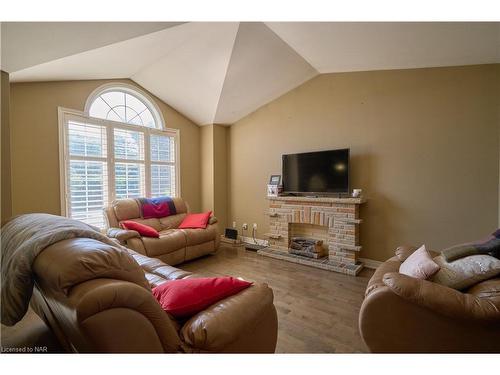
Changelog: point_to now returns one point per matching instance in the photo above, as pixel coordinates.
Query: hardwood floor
(317, 309)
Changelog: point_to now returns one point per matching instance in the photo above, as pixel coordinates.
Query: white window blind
(88, 175)
(105, 160)
(162, 165)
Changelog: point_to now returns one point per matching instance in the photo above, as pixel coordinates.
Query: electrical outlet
(255, 226)
(245, 226)
(234, 224)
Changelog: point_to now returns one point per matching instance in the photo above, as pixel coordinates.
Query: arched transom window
(123, 106)
(118, 148)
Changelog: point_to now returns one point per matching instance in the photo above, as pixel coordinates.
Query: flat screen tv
(322, 172)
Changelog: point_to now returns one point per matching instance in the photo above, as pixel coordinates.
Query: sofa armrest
(441, 299)
(212, 220)
(122, 235)
(119, 316)
(228, 320)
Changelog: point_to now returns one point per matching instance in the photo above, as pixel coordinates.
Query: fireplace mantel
(287, 198)
(335, 220)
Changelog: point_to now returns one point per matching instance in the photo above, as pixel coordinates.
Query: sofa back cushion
(70, 262)
(128, 209)
(173, 221)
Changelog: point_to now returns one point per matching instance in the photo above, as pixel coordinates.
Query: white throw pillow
(419, 265)
(465, 272)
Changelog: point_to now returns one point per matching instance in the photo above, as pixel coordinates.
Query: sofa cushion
(419, 264)
(169, 241)
(142, 229)
(69, 262)
(199, 236)
(465, 272)
(172, 222)
(186, 297)
(180, 205)
(126, 209)
(196, 221)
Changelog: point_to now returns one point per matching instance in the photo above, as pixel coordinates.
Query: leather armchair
(97, 299)
(175, 245)
(401, 314)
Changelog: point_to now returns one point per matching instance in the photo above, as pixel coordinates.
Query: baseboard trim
(370, 263)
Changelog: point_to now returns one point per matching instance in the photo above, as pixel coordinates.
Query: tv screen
(316, 172)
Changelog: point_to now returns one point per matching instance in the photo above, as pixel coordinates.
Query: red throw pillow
(144, 230)
(186, 297)
(194, 221)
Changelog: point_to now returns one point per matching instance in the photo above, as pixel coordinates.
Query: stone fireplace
(335, 221)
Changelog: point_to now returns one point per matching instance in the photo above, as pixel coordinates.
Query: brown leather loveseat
(97, 298)
(174, 246)
(401, 314)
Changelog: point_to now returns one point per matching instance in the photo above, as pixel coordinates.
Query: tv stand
(333, 220)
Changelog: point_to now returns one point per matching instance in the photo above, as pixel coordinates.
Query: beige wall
(214, 170)
(207, 167)
(6, 200)
(35, 158)
(220, 174)
(424, 148)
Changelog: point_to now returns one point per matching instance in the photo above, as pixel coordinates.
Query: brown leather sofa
(97, 299)
(174, 245)
(401, 314)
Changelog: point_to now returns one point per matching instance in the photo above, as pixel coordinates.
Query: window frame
(65, 115)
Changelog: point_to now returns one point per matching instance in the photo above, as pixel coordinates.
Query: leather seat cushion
(170, 240)
(199, 236)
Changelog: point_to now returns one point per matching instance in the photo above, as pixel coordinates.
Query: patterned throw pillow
(465, 272)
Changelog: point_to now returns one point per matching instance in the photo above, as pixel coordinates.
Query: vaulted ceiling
(219, 72)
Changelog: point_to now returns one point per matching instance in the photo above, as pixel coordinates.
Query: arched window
(117, 148)
(126, 105)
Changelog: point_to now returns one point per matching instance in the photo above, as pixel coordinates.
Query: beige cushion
(74, 261)
(465, 272)
(170, 240)
(126, 209)
(172, 222)
(198, 236)
(419, 265)
(181, 206)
